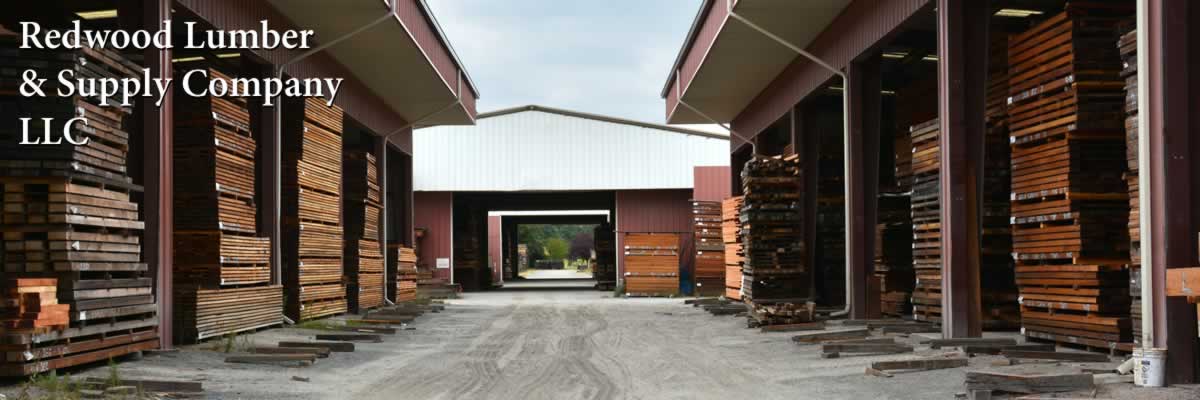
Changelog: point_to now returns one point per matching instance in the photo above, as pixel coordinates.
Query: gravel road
(545, 343)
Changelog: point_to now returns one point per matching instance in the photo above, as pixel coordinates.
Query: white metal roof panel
(543, 149)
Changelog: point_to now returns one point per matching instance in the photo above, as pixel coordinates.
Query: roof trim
(602, 118)
(687, 45)
(450, 48)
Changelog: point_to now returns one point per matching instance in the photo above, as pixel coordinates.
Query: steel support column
(158, 138)
(1172, 139)
(866, 103)
(962, 83)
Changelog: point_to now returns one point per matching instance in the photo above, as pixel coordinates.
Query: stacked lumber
(1129, 52)
(605, 244)
(1070, 205)
(222, 272)
(406, 273)
(926, 220)
(31, 305)
(998, 287)
(830, 252)
(710, 247)
(893, 253)
(651, 264)
(772, 231)
(731, 236)
(312, 230)
(362, 254)
(763, 315)
(69, 214)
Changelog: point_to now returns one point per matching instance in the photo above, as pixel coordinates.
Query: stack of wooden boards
(604, 241)
(772, 231)
(406, 273)
(69, 214)
(362, 255)
(893, 253)
(1129, 52)
(1069, 202)
(926, 220)
(829, 273)
(731, 227)
(30, 305)
(710, 247)
(998, 287)
(311, 222)
(651, 264)
(222, 271)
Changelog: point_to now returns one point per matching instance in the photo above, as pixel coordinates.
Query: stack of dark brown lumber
(997, 276)
(1070, 208)
(927, 221)
(1129, 52)
(312, 229)
(362, 255)
(830, 252)
(605, 245)
(731, 235)
(222, 265)
(772, 232)
(406, 273)
(710, 247)
(651, 264)
(893, 252)
(69, 214)
(30, 305)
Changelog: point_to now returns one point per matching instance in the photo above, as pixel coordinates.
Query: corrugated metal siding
(413, 18)
(543, 151)
(711, 183)
(495, 255)
(433, 212)
(860, 27)
(354, 97)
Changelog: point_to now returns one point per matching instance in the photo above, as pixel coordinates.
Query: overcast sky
(606, 57)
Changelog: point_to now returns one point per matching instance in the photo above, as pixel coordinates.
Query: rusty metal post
(866, 107)
(158, 165)
(962, 84)
(1172, 165)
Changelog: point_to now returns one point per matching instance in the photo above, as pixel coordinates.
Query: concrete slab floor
(543, 344)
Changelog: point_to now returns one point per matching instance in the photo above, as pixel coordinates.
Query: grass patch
(320, 325)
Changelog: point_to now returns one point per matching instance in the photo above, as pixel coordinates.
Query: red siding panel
(860, 27)
(433, 211)
(710, 183)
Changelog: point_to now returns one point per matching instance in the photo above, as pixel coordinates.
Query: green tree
(557, 248)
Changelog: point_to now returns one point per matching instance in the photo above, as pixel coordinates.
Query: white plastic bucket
(1149, 367)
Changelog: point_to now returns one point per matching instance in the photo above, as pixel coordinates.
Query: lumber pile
(69, 214)
(312, 230)
(406, 273)
(710, 247)
(31, 305)
(604, 241)
(1070, 208)
(222, 269)
(772, 232)
(893, 253)
(764, 315)
(363, 205)
(1127, 46)
(926, 220)
(998, 287)
(651, 264)
(830, 252)
(731, 237)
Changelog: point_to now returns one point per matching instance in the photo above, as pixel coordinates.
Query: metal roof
(535, 148)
